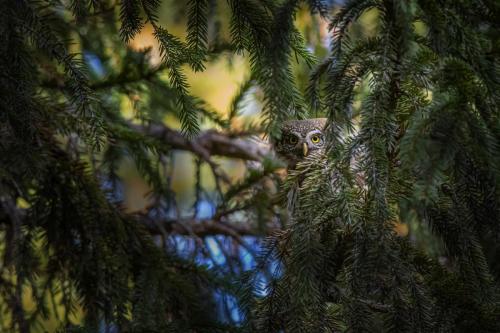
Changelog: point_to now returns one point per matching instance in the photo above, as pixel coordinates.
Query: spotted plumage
(300, 138)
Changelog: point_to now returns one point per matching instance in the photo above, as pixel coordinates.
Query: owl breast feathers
(300, 138)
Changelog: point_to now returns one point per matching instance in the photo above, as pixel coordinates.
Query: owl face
(300, 138)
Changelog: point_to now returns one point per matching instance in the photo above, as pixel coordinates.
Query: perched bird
(300, 138)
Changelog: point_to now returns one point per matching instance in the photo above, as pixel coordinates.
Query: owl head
(299, 138)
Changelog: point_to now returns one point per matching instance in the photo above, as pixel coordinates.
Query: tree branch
(186, 227)
(209, 143)
(200, 228)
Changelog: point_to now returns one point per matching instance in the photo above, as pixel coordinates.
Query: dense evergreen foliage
(413, 131)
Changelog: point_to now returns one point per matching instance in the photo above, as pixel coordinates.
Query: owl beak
(305, 149)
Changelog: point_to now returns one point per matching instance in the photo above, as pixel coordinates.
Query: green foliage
(197, 38)
(425, 139)
(421, 147)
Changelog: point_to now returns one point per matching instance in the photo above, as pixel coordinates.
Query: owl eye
(315, 139)
(292, 139)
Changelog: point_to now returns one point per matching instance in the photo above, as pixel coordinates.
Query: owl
(300, 138)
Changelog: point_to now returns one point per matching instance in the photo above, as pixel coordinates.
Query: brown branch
(187, 227)
(207, 144)
(200, 228)
(218, 225)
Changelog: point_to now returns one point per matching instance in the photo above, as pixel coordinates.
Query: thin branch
(201, 228)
